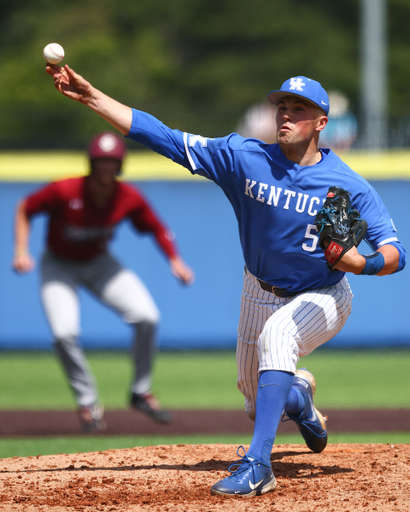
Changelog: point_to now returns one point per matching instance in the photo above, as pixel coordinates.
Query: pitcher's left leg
(306, 322)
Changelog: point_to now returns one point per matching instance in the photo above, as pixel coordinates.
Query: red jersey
(80, 230)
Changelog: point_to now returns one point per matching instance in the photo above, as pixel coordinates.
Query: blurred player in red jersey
(83, 214)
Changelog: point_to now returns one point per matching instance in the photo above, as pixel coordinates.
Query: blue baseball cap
(305, 88)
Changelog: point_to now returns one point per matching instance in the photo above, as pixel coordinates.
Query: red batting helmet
(107, 145)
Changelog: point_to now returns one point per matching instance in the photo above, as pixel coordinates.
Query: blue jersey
(275, 200)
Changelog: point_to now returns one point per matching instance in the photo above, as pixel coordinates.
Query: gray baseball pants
(115, 286)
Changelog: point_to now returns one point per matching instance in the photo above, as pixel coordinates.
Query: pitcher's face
(298, 120)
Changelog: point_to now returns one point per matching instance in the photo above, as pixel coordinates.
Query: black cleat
(150, 405)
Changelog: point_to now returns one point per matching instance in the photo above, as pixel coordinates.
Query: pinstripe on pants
(273, 333)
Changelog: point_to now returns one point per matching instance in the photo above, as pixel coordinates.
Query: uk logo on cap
(296, 84)
(305, 88)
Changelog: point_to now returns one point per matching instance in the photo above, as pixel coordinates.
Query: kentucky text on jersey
(271, 195)
(274, 199)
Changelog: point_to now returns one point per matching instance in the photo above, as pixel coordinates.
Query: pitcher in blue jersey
(291, 301)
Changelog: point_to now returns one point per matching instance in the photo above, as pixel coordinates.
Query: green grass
(186, 380)
(193, 380)
(40, 446)
(182, 380)
(361, 379)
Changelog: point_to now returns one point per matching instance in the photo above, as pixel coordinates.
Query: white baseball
(53, 53)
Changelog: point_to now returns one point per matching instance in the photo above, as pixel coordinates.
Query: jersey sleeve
(380, 226)
(208, 157)
(44, 200)
(145, 220)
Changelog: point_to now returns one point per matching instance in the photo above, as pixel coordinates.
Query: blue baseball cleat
(251, 478)
(310, 422)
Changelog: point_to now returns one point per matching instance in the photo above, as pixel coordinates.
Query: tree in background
(198, 65)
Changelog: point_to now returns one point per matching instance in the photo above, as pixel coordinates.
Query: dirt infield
(177, 478)
(125, 422)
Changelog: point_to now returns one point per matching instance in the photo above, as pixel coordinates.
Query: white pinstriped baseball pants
(274, 333)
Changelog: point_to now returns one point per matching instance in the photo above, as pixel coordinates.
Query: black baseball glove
(339, 225)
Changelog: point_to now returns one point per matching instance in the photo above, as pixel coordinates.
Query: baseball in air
(53, 53)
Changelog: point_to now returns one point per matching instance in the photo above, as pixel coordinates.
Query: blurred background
(203, 67)
(200, 65)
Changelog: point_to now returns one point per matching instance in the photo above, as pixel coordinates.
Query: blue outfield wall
(204, 315)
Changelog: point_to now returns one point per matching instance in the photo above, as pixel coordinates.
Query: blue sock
(273, 390)
(295, 403)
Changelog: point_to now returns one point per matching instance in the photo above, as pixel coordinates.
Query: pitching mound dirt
(177, 478)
